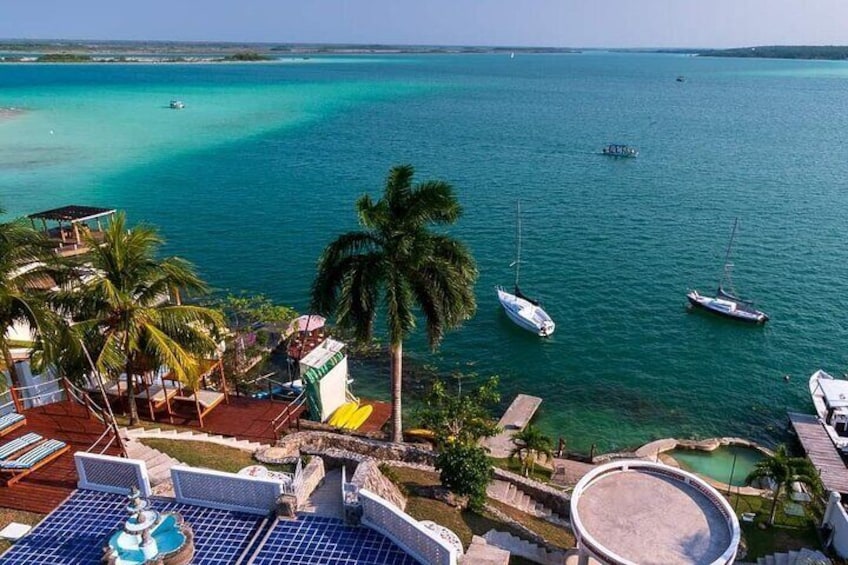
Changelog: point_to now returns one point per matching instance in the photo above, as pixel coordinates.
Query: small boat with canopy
(524, 311)
(830, 397)
(726, 302)
(620, 150)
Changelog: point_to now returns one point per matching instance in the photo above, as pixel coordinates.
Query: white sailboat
(522, 310)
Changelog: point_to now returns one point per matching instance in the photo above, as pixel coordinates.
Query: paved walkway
(326, 500)
(515, 419)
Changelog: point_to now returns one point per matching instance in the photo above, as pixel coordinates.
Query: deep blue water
(261, 170)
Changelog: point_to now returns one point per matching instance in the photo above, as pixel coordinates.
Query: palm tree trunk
(131, 395)
(10, 363)
(397, 383)
(774, 504)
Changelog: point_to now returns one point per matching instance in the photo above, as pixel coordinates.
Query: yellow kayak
(342, 414)
(359, 417)
(421, 433)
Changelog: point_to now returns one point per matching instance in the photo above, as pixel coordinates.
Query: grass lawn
(788, 532)
(466, 523)
(540, 474)
(208, 455)
(7, 516)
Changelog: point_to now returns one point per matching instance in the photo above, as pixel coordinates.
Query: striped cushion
(34, 455)
(8, 419)
(11, 447)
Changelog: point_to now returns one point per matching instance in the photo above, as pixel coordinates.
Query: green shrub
(465, 470)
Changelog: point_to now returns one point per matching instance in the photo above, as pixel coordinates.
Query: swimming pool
(718, 464)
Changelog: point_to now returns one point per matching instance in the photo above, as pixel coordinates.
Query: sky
(554, 23)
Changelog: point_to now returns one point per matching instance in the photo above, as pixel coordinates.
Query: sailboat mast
(518, 238)
(727, 253)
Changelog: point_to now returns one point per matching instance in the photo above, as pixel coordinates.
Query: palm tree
(399, 258)
(784, 470)
(530, 444)
(125, 303)
(24, 254)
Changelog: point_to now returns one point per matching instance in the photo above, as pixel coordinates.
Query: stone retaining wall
(311, 477)
(322, 442)
(369, 477)
(558, 501)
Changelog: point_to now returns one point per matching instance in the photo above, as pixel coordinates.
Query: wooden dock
(821, 451)
(515, 419)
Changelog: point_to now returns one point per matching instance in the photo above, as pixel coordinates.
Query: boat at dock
(830, 398)
(620, 150)
(524, 311)
(726, 302)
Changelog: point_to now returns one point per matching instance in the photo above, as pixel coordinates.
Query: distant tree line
(828, 52)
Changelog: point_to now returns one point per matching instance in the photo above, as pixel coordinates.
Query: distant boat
(620, 150)
(176, 105)
(523, 310)
(681, 78)
(512, 55)
(830, 397)
(726, 302)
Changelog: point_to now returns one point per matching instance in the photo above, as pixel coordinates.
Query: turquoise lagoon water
(262, 167)
(727, 464)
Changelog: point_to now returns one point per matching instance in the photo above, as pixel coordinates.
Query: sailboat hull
(525, 314)
(727, 308)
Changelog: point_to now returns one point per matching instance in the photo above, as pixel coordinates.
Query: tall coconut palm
(125, 302)
(24, 255)
(530, 445)
(784, 470)
(399, 259)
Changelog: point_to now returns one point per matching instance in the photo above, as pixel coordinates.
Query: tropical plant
(784, 470)
(465, 470)
(463, 418)
(24, 259)
(125, 302)
(530, 445)
(399, 258)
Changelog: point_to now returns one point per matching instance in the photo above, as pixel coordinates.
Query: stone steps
(481, 553)
(242, 444)
(523, 548)
(507, 493)
(800, 557)
(158, 464)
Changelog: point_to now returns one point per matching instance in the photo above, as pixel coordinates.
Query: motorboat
(830, 398)
(176, 105)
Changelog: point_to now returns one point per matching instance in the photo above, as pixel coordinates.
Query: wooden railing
(284, 418)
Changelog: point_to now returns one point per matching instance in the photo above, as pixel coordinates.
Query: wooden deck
(515, 419)
(44, 489)
(821, 451)
(251, 418)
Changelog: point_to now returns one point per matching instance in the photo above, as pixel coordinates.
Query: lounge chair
(34, 458)
(11, 447)
(156, 396)
(11, 421)
(203, 400)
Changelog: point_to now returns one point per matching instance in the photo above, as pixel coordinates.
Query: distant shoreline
(67, 51)
(209, 52)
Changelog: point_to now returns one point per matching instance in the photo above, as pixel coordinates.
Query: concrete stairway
(243, 444)
(158, 464)
(481, 553)
(508, 493)
(800, 557)
(523, 548)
